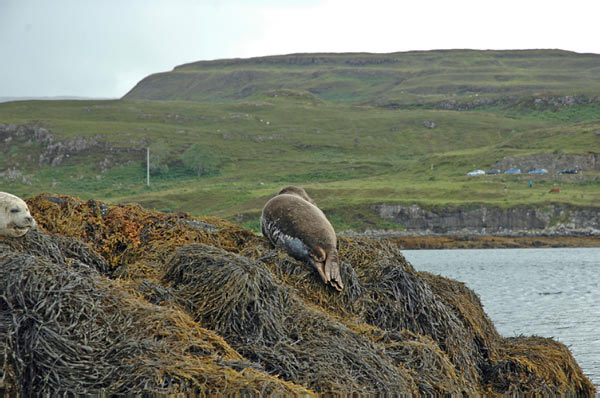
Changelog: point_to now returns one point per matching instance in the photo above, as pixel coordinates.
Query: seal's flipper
(332, 272)
(319, 254)
(320, 267)
(318, 257)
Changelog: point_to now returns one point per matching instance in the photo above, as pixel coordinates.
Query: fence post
(148, 166)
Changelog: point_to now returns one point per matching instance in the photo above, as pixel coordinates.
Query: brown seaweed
(124, 300)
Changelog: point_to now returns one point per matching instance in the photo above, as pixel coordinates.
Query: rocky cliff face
(552, 162)
(547, 220)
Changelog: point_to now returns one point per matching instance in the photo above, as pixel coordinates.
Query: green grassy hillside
(224, 154)
(448, 78)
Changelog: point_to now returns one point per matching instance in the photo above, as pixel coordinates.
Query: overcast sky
(102, 48)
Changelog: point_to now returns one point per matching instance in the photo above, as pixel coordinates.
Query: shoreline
(493, 242)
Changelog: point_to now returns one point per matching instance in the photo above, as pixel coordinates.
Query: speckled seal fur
(291, 220)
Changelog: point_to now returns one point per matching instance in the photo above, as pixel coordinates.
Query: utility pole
(148, 166)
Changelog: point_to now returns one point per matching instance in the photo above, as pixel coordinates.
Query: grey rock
(553, 162)
(429, 124)
(554, 220)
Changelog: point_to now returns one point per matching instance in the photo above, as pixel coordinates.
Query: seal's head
(291, 190)
(15, 220)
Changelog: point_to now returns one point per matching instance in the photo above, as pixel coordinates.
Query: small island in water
(120, 299)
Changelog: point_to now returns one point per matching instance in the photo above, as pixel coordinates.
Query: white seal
(15, 220)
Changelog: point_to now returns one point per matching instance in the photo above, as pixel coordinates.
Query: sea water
(544, 292)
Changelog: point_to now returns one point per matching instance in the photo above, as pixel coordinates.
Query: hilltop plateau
(444, 79)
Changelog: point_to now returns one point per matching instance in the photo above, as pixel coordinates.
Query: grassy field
(226, 157)
(347, 157)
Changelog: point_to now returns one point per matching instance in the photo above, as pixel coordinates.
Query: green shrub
(200, 160)
(158, 160)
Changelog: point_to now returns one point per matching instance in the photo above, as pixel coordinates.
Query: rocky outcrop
(540, 103)
(57, 151)
(552, 220)
(9, 133)
(14, 174)
(53, 151)
(50, 151)
(553, 162)
(561, 101)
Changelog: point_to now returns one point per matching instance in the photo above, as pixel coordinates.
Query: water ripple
(544, 292)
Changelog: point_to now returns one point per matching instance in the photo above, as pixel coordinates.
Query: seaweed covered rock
(140, 301)
(265, 321)
(72, 330)
(536, 366)
(133, 241)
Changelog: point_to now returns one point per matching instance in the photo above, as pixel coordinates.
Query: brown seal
(291, 220)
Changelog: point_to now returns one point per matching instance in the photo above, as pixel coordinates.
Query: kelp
(382, 290)
(128, 236)
(536, 365)
(72, 330)
(119, 299)
(266, 322)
